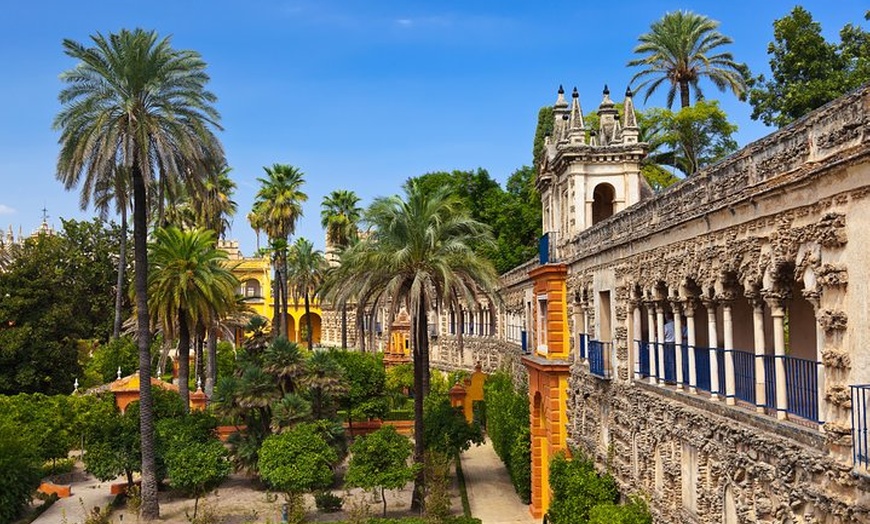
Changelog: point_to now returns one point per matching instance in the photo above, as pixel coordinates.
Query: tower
(586, 175)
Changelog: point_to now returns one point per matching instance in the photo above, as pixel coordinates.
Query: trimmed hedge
(507, 425)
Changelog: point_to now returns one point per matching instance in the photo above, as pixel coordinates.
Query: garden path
(490, 491)
(87, 493)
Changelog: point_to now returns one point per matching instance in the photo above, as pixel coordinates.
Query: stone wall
(770, 471)
(447, 353)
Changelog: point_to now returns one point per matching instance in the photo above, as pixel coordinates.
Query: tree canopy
(806, 70)
(682, 48)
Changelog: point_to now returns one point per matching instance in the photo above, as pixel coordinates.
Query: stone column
(713, 341)
(637, 325)
(678, 340)
(728, 335)
(660, 340)
(689, 309)
(758, 338)
(651, 338)
(814, 298)
(777, 311)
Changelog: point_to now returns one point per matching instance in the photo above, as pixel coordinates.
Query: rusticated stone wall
(772, 471)
(448, 354)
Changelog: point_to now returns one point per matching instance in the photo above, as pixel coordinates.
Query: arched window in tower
(251, 288)
(602, 202)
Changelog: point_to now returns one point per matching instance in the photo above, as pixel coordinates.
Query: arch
(315, 328)
(251, 288)
(603, 197)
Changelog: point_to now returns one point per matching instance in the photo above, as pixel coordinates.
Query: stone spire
(560, 116)
(607, 115)
(576, 127)
(630, 131)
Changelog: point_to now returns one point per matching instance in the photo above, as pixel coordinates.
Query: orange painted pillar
(548, 368)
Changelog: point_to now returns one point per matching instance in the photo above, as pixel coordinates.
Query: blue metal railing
(684, 354)
(702, 368)
(860, 444)
(802, 387)
(583, 342)
(670, 361)
(643, 356)
(744, 375)
(769, 381)
(720, 363)
(599, 357)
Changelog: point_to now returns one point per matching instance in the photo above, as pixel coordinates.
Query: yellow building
(255, 275)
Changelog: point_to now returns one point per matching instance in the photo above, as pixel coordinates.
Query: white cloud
(405, 22)
(6, 210)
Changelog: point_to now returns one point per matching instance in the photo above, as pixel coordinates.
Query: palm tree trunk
(198, 360)
(184, 360)
(276, 303)
(310, 334)
(420, 390)
(344, 326)
(211, 360)
(284, 292)
(150, 508)
(684, 93)
(122, 266)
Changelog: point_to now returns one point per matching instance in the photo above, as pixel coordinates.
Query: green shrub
(327, 502)
(445, 427)
(20, 466)
(521, 464)
(577, 488)
(635, 512)
(507, 425)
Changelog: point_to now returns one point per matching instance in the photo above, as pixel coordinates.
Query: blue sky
(360, 95)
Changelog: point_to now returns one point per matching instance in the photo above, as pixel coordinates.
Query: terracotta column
(728, 335)
(713, 337)
(777, 311)
(689, 309)
(758, 338)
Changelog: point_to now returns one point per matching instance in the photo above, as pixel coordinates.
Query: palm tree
(108, 189)
(677, 50)
(214, 209)
(133, 99)
(340, 216)
(277, 207)
(418, 255)
(306, 269)
(189, 285)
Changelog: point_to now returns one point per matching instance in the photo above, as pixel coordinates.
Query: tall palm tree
(189, 284)
(108, 189)
(306, 269)
(277, 207)
(418, 255)
(678, 50)
(133, 99)
(340, 215)
(214, 209)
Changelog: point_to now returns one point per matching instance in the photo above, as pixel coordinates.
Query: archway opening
(602, 202)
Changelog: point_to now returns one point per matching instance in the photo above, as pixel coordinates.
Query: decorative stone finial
(606, 90)
(628, 93)
(198, 383)
(561, 90)
(560, 99)
(119, 372)
(76, 385)
(575, 94)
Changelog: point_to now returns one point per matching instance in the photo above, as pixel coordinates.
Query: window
(251, 288)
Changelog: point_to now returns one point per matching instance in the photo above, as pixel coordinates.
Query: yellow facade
(255, 276)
